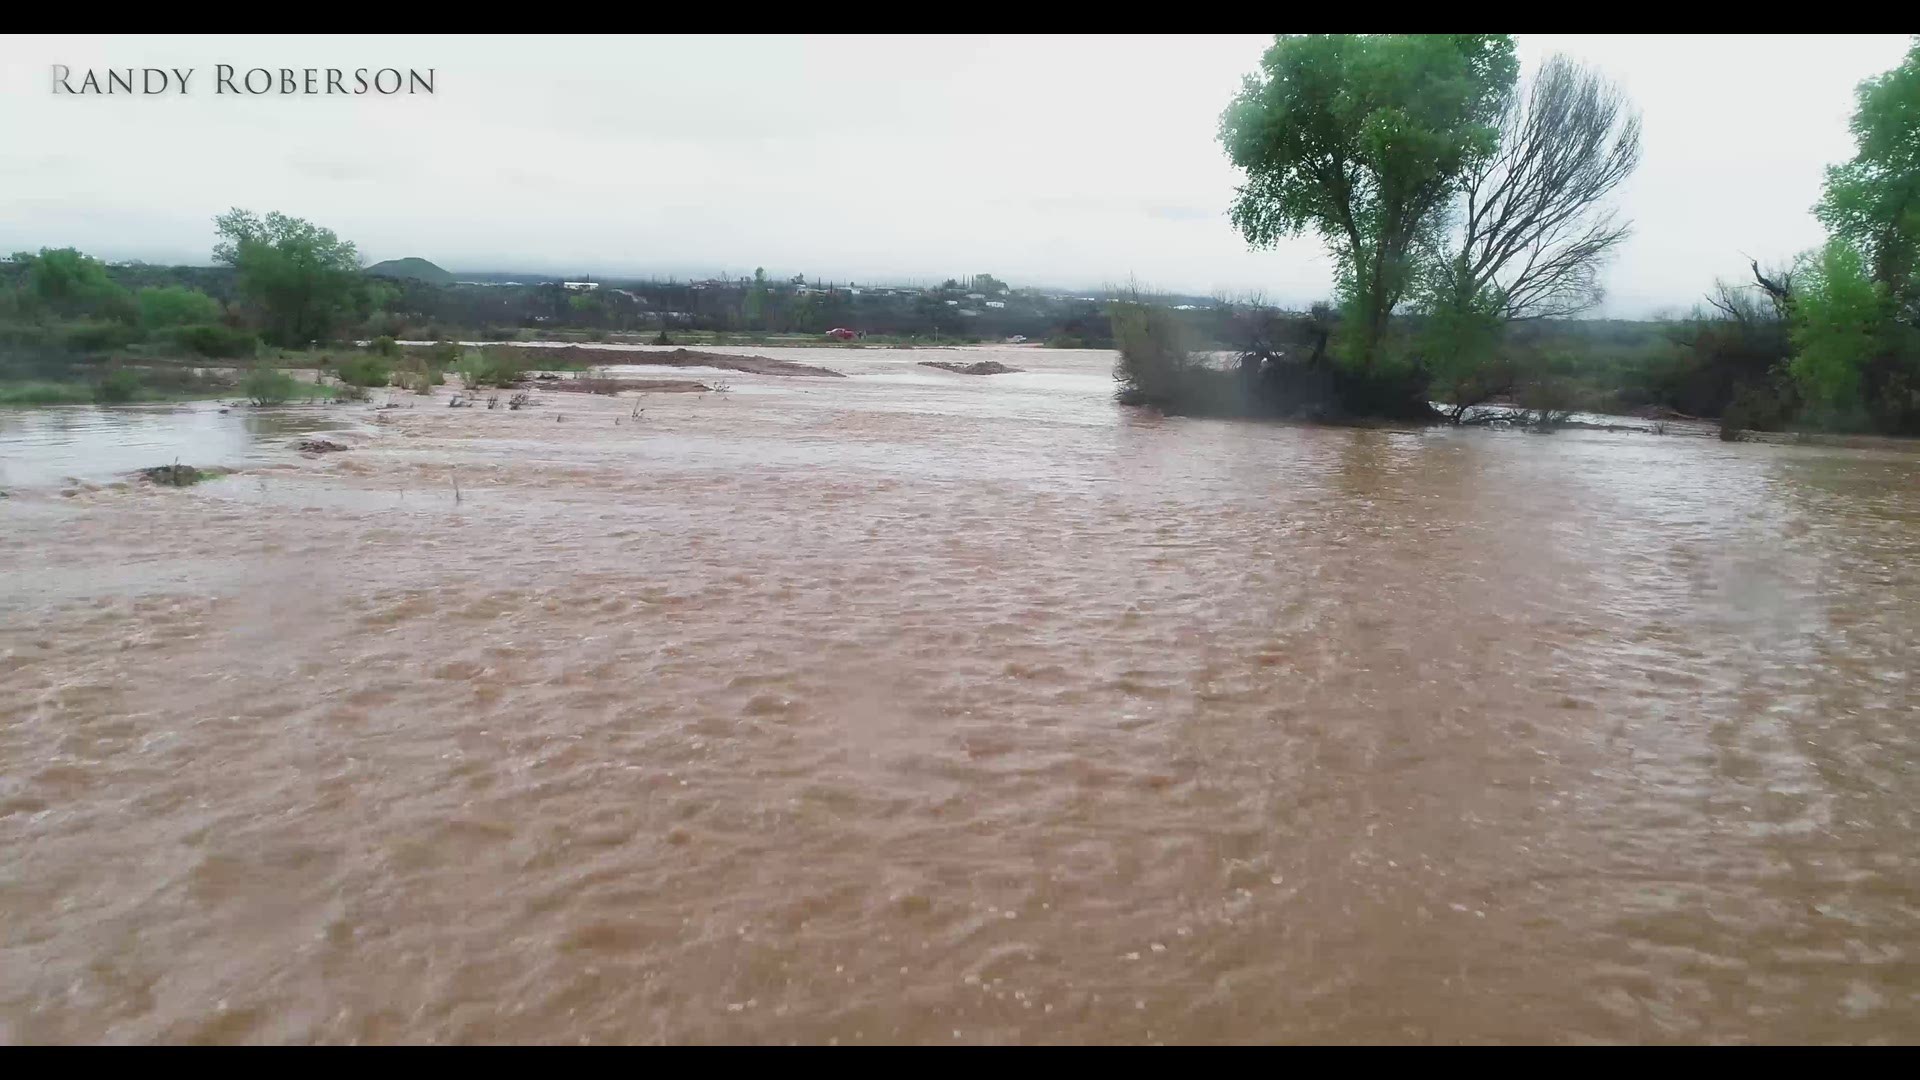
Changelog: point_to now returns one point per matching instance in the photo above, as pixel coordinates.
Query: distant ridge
(417, 269)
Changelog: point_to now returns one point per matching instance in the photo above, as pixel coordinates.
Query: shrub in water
(472, 368)
(214, 340)
(365, 370)
(120, 384)
(269, 386)
(494, 367)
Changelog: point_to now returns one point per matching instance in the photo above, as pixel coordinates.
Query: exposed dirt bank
(752, 365)
(615, 386)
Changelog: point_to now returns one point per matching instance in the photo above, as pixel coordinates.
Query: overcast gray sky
(1071, 161)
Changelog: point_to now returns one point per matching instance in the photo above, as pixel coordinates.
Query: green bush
(214, 340)
(419, 376)
(26, 335)
(90, 337)
(493, 367)
(365, 370)
(500, 333)
(176, 305)
(508, 368)
(44, 393)
(119, 385)
(1155, 365)
(269, 386)
(472, 368)
(385, 346)
(183, 382)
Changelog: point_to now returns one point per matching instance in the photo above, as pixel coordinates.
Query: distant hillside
(417, 269)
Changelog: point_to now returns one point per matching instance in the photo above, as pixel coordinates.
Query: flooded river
(933, 708)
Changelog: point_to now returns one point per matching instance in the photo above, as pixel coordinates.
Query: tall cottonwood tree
(1873, 201)
(1362, 139)
(1856, 302)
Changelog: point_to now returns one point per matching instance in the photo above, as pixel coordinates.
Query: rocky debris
(984, 367)
(320, 446)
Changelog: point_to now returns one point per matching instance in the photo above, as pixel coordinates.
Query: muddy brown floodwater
(922, 707)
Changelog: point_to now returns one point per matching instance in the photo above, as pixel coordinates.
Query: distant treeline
(979, 309)
(287, 283)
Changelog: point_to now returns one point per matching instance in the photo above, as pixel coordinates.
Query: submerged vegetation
(178, 475)
(490, 367)
(269, 386)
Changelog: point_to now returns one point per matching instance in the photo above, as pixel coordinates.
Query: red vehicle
(841, 333)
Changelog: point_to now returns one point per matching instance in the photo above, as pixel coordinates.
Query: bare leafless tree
(1741, 303)
(1534, 227)
(1778, 287)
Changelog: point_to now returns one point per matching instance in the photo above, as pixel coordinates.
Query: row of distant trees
(1460, 202)
(294, 282)
(290, 282)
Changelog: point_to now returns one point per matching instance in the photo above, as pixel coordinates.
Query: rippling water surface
(924, 707)
(88, 442)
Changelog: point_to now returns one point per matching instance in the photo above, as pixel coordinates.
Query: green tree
(1873, 201)
(69, 283)
(1840, 316)
(755, 311)
(300, 279)
(176, 305)
(1361, 139)
(1855, 304)
(1461, 344)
